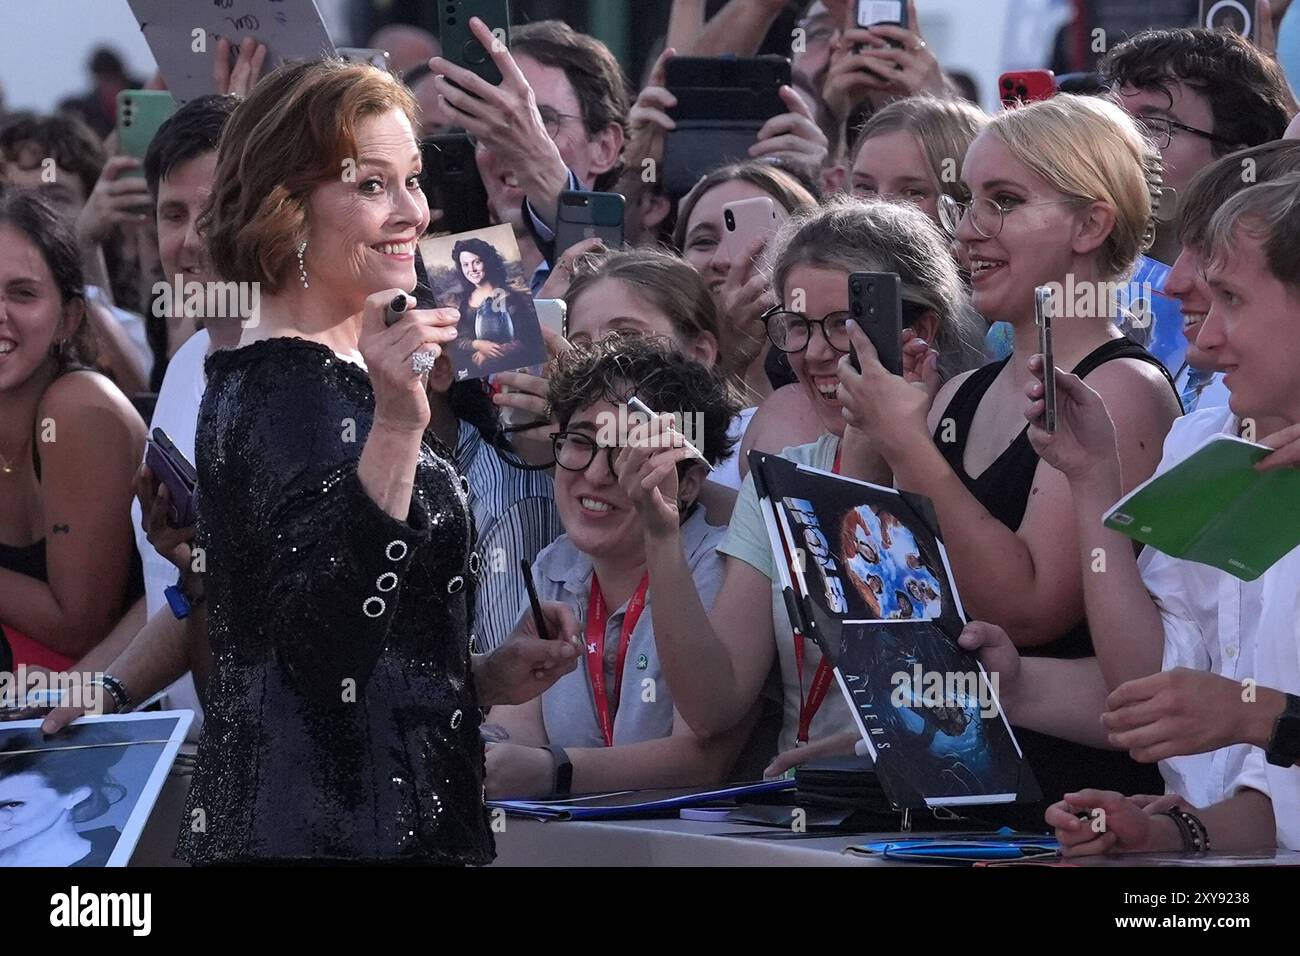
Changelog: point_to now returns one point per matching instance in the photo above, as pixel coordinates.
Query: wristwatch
(1284, 745)
(563, 784)
(179, 600)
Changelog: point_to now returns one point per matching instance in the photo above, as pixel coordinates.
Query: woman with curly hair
(489, 337)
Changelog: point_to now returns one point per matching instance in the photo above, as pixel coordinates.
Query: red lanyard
(596, 616)
(821, 681)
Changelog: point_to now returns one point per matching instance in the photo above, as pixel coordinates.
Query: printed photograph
(480, 274)
(81, 798)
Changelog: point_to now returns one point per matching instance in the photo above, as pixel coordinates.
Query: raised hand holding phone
(1083, 444)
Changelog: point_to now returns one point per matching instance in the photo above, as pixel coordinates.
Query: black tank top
(30, 560)
(1003, 489)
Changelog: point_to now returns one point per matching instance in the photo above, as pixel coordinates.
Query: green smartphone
(460, 46)
(139, 114)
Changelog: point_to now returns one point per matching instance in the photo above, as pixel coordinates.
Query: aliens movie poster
(868, 579)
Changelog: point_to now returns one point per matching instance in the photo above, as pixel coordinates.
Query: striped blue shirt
(515, 516)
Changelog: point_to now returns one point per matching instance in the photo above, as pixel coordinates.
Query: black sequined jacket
(342, 721)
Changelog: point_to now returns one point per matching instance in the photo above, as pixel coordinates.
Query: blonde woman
(911, 151)
(1061, 192)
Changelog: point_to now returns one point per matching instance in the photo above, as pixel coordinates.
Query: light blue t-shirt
(645, 705)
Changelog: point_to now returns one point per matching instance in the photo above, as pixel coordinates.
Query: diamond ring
(422, 362)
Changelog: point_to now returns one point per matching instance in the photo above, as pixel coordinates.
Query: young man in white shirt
(1228, 654)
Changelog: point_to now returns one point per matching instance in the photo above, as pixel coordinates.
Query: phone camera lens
(731, 219)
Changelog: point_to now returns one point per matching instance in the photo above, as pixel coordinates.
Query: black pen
(396, 308)
(532, 599)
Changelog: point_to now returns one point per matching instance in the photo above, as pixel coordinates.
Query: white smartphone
(554, 315)
(744, 221)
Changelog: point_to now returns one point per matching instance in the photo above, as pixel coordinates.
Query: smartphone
(460, 46)
(1026, 86)
(1043, 319)
(871, 12)
(586, 215)
(554, 315)
(364, 54)
(876, 304)
(139, 114)
(722, 103)
(1239, 16)
(745, 220)
(533, 602)
(174, 470)
(451, 182)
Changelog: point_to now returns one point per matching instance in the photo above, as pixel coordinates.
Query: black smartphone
(1043, 319)
(460, 46)
(876, 304)
(585, 215)
(174, 470)
(1239, 16)
(536, 605)
(451, 182)
(722, 103)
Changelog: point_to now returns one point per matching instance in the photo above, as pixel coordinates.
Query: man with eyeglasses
(556, 122)
(1199, 94)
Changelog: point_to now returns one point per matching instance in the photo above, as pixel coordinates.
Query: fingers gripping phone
(460, 46)
(876, 304)
(871, 12)
(1043, 319)
(744, 221)
(1026, 86)
(174, 470)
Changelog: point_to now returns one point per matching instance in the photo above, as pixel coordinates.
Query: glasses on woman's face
(988, 216)
(575, 451)
(792, 331)
(1161, 131)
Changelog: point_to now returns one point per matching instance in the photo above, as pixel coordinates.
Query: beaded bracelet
(1196, 839)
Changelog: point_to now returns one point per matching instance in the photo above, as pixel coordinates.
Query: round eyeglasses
(987, 215)
(792, 331)
(575, 451)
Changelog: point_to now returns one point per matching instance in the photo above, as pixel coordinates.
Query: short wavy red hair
(295, 131)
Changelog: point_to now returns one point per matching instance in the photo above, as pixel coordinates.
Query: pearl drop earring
(302, 269)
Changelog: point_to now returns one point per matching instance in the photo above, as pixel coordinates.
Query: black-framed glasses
(575, 451)
(987, 215)
(792, 331)
(1161, 130)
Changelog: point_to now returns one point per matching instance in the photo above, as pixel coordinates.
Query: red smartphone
(1026, 86)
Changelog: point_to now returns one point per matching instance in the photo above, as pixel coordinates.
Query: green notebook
(1215, 508)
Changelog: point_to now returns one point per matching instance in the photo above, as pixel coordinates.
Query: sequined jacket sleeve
(333, 560)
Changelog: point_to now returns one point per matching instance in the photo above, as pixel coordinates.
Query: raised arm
(1126, 627)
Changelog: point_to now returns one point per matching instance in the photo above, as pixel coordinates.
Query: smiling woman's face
(29, 807)
(471, 266)
(362, 229)
(31, 310)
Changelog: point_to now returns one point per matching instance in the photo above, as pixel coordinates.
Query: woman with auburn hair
(342, 717)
